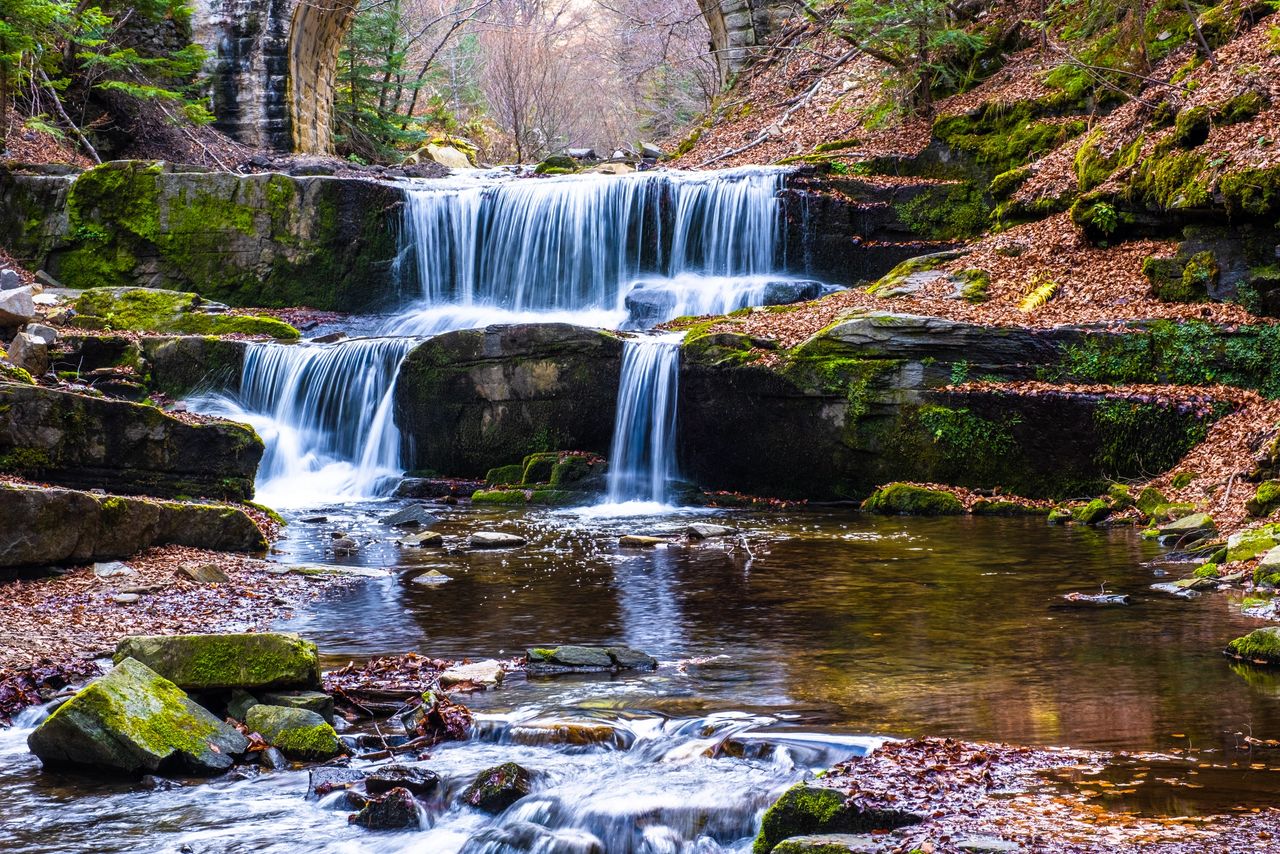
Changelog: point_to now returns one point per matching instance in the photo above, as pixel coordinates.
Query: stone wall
(738, 27)
(271, 68)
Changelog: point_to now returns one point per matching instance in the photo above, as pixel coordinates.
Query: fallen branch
(75, 129)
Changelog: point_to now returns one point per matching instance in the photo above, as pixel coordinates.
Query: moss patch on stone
(155, 310)
(1259, 645)
(907, 499)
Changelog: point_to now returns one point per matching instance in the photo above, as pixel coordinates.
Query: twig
(57, 103)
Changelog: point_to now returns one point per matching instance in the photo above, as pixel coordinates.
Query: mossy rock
(1191, 127)
(499, 496)
(805, 809)
(557, 164)
(538, 468)
(1092, 513)
(1244, 545)
(299, 734)
(156, 310)
(904, 498)
(1240, 108)
(1172, 510)
(504, 475)
(1265, 500)
(135, 720)
(1059, 515)
(495, 789)
(1120, 496)
(1190, 528)
(224, 662)
(1260, 645)
(1267, 572)
(998, 507)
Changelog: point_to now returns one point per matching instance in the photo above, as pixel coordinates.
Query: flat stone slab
(570, 659)
(223, 662)
(829, 843)
(495, 540)
(477, 673)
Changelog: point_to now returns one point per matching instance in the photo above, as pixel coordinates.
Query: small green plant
(1104, 217)
(1042, 290)
(959, 373)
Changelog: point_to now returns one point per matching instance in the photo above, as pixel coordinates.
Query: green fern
(1038, 296)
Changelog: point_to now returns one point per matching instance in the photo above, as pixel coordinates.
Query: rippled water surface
(783, 651)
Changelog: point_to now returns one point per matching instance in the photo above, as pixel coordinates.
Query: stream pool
(803, 642)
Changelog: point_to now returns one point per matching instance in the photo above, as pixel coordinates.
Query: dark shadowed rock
(495, 789)
(86, 443)
(393, 811)
(40, 527)
(412, 516)
(419, 781)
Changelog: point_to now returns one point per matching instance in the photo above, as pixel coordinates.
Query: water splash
(642, 456)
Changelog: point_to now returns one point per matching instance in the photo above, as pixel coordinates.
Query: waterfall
(580, 243)
(642, 456)
(324, 413)
(597, 250)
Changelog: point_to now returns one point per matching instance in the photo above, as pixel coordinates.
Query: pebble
(126, 598)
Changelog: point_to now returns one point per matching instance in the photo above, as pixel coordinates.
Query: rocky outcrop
(223, 662)
(41, 527)
(738, 28)
(134, 720)
(865, 403)
(245, 240)
(93, 443)
(472, 400)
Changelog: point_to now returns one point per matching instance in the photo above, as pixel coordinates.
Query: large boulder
(224, 662)
(30, 353)
(246, 240)
(16, 306)
(298, 733)
(180, 365)
(811, 809)
(93, 443)
(475, 399)
(41, 527)
(135, 720)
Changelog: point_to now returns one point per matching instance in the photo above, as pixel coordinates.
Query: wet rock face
(297, 733)
(134, 720)
(43, 527)
(245, 240)
(393, 811)
(87, 443)
(495, 789)
(476, 399)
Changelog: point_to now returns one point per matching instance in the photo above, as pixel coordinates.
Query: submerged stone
(497, 788)
(636, 541)
(413, 516)
(223, 662)
(705, 531)
(393, 811)
(131, 720)
(563, 659)
(322, 781)
(495, 540)
(298, 733)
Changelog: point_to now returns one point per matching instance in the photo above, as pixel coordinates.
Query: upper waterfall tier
(579, 242)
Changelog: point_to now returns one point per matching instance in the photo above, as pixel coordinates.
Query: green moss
(153, 310)
(505, 475)
(801, 809)
(499, 496)
(974, 284)
(946, 211)
(1002, 137)
(271, 514)
(1092, 513)
(1165, 275)
(1248, 544)
(836, 145)
(1171, 181)
(1007, 183)
(1241, 108)
(903, 498)
(310, 744)
(1150, 499)
(1120, 496)
(538, 467)
(1183, 479)
(557, 164)
(1208, 570)
(1143, 437)
(1259, 645)
(1252, 192)
(1191, 127)
(1266, 499)
(13, 374)
(29, 460)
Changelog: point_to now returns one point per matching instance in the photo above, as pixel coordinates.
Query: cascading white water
(499, 249)
(324, 413)
(642, 457)
(579, 243)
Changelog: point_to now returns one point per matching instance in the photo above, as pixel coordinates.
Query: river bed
(797, 644)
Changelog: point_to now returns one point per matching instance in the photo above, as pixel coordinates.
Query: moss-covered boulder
(135, 720)
(1244, 545)
(475, 399)
(805, 809)
(298, 733)
(1149, 499)
(1092, 513)
(1267, 572)
(157, 310)
(1188, 529)
(246, 240)
(904, 498)
(46, 526)
(1260, 645)
(495, 789)
(1265, 500)
(313, 701)
(93, 443)
(224, 662)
